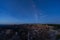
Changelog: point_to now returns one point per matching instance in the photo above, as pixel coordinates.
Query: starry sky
(23, 11)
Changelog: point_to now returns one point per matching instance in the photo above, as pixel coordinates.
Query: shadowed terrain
(28, 32)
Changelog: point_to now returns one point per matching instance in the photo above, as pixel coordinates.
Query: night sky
(23, 11)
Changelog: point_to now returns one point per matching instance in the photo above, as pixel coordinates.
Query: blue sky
(23, 11)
